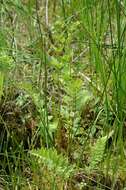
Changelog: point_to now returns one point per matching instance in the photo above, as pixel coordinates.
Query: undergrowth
(62, 94)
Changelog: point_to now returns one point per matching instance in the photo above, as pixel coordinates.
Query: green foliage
(76, 94)
(71, 67)
(3, 42)
(83, 98)
(97, 152)
(1, 84)
(6, 64)
(56, 163)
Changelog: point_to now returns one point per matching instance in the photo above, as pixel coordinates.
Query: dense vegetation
(62, 94)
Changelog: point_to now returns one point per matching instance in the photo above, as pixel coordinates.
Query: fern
(56, 163)
(97, 152)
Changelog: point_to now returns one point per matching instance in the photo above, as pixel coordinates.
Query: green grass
(62, 90)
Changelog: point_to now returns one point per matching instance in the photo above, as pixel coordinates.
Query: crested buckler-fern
(98, 151)
(62, 94)
(55, 162)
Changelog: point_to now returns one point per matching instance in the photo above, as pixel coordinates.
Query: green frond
(97, 152)
(55, 162)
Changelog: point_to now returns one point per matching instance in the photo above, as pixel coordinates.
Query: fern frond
(55, 162)
(97, 152)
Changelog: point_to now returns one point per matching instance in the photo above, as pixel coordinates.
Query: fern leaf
(97, 152)
(56, 163)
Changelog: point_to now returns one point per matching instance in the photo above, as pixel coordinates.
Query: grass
(62, 95)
